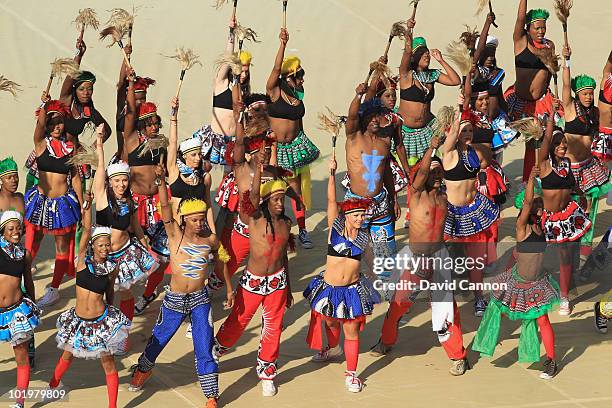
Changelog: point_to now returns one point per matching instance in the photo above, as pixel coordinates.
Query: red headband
(354, 205)
(147, 110)
(142, 84)
(55, 106)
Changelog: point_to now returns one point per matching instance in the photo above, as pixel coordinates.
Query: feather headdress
(87, 18)
(153, 143)
(458, 53)
(186, 57)
(562, 9)
(530, 128)
(9, 86)
(245, 33)
(233, 60)
(117, 33)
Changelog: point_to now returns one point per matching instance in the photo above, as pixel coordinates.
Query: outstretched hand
(436, 54)
(284, 36)
(361, 89)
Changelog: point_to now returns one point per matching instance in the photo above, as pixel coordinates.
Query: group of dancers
(154, 208)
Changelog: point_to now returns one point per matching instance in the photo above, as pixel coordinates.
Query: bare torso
(366, 157)
(427, 215)
(189, 263)
(267, 254)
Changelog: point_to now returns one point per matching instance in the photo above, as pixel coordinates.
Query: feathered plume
(469, 37)
(66, 66)
(87, 18)
(481, 5)
(245, 33)
(232, 60)
(414, 3)
(445, 116)
(530, 128)
(120, 18)
(330, 122)
(257, 126)
(117, 33)
(186, 57)
(380, 70)
(458, 52)
(9, 86)
(399, 30)
(152, 144)
(88, 134)
(219, 4)
(84, 156)
(562, 8)
(548, 58)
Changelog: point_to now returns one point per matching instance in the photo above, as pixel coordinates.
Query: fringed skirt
(602, 144)
(56, 216)
(300, 152)
(92, 338)
(567, 225)
(416, 141)
(135, 264)
(592, 174)
(472, 218)
(213, 144)
(17, 322)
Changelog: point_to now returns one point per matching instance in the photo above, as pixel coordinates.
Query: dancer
(530, 94)
(142, 125)
(265, 280)
(428, 205)
(563, 220)
(472, 217)
(529, 295)
(341, 296)
(581, 125)
(295, 151)
(18, 312)
(417, 91)
(53, 206)
(116, 209)
(602, 142)
(191, 244)
(93, 329)
(10, 199)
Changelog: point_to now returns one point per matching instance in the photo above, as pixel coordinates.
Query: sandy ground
(336, 39)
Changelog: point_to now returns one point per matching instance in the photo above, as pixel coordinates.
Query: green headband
(7, 166)
(85, 76)
(583, 82)
(418, 42)
(537, 14)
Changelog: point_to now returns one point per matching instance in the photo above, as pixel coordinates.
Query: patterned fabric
(382, 234)
(135, 264)
(520, 108)
(228, 195)
(16, 252)
(379, 207)
(241, 228)
(92, 338)
(17, 322)
(567, 225)
(602, 144)
(345, 246)
(299, 152)
(192, 176)
(472, 218)
(428, 76)
(213, 144)
(31, 164)
(341, 302)
(504, 134)
(493, 183)
(416, 141)
(263, 285)
(53, 215)
(590, 173)
(400, 181)
(152, 224)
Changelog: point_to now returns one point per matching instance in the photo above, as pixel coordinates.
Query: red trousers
(238, 247)
(452, 341)
(273, 302)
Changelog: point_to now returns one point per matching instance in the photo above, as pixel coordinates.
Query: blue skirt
(472, 218)
(51, 214)
(17, 322)
(342, 302)
(135, 264)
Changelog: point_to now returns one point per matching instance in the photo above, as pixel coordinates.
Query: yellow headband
(290, 65)
(272, 186)
(191, 206)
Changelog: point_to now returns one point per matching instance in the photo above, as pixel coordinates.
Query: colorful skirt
(417, 141)
(493, 183)
(152, 225)
(602, 144)
(567, 225)
(135, 264)
(472, 218)
(92, 338)
(300, 152)
(519, 108)
(228, 195)
(591, 174)
(521, 300)
(56, 216)
(17, 322)
(213, 144)
(504, 134)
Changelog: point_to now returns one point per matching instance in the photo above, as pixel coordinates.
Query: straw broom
(469, 37)
(530, 129)
(220, 3)
(61, 66)
(9, 86)
(332, 124)
(480, 6)
(562, 9)
(121, 17)
(235, 66)
(551, 61)
(86, 18)
(117, 33)
(397, 30)
(187, 59)
(244, 33)
(458, 53)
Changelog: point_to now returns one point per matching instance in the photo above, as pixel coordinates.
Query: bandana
(271, 187)
(99, 269)
(355, 205)
(14, 251)
(193, 175)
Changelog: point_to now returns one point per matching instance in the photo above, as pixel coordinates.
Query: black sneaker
(480, 305)
(550, 369)
(601, 322)
(143, 302)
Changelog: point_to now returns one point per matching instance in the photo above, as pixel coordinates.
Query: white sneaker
(305, 240)
(564, 307)
(353, 383)
(327, 354)
(268, 388)
(188, 333)
(50, 297)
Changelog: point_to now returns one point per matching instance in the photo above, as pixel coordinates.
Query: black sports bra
(223, 100)
(483, 135)
(148, 159)
(528, 60)
(106, 218)
(87, 280)
(11, 267)
(580, 127)
(416, 94)
(554, 181)
(342, 247)
(75, 126)
(50, 164)
(180, 189)
(533, 244)
(283, 110)
(464, 169)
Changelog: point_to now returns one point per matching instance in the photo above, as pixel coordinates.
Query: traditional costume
(602, 142)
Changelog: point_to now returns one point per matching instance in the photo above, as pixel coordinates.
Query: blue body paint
(196, 263)
(371, 162)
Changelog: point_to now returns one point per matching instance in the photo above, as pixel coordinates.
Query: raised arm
(77, 186)
(521, 19)
(239, 148)
(371, 91)
(401, 150)
(86, 224)
(546, 142)
(254, 195)
(482, 40)
(272, 87)
(229, 49)
(449, 77)
(467, 89)
(352, 123)
(131, 116)
(451, 135)
(404, 67)
(66, 91)
(100, 176)
(40, 129)
(523, 218)
(166, 211)
(173, 141)
(420, 179)
(566, 95)
(332, 204)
